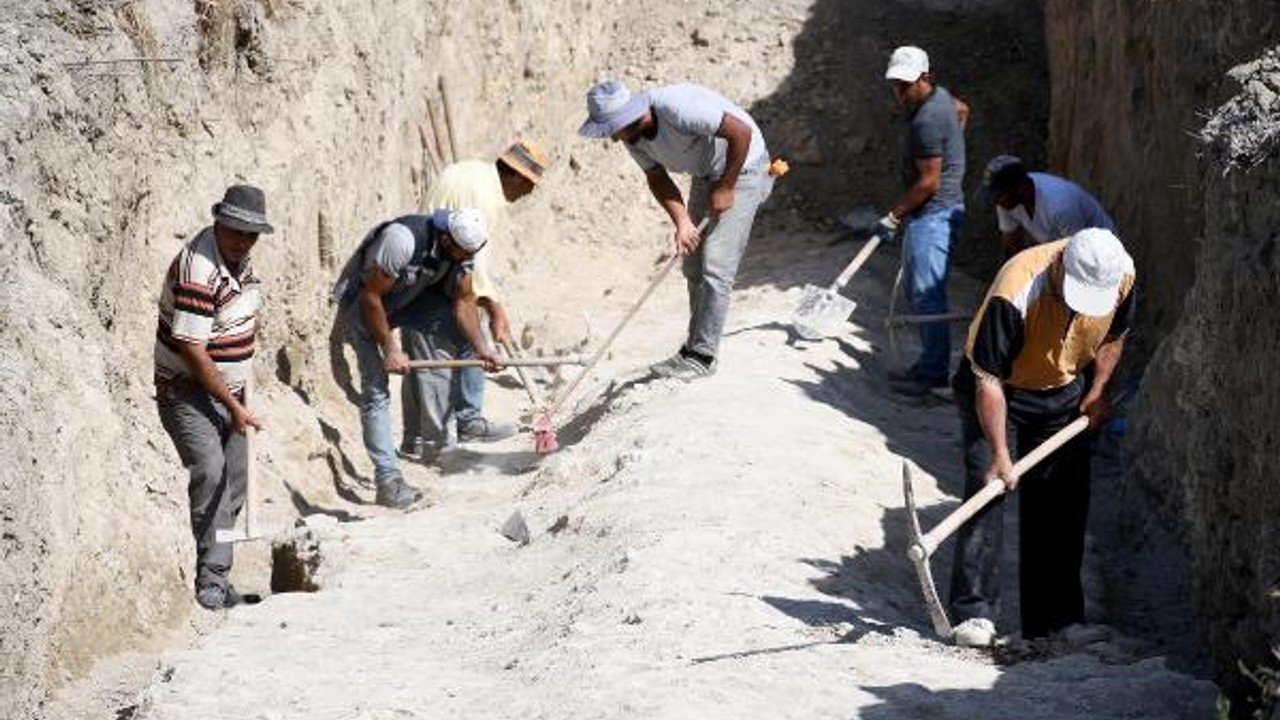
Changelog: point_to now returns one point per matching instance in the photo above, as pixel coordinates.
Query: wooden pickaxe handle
(900, 320)
(508, 362)
(992, 490)
(534, 397)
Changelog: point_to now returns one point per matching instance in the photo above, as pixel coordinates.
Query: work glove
(887, 228)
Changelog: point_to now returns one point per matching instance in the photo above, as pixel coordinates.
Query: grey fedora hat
(243, 208)
(611, 107)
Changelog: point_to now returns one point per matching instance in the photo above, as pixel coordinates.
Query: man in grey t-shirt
(691, 129)
(932, 209)
(1035, 208)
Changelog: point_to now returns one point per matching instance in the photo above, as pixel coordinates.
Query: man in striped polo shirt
(203, 356)
(1040, 353)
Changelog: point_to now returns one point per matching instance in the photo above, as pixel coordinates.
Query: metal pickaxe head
(919, 555)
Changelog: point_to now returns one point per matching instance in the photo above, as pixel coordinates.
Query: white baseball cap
(1095, 263)
(467, 227)
(907, 64)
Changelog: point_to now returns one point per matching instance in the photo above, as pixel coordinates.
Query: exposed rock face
(107, 167)
(1211, 419)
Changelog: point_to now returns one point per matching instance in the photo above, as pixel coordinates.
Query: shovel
(823, 311)
(506, 362)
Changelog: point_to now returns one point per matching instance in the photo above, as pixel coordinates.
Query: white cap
(468, 228)
(1095, 263)
(907, 64)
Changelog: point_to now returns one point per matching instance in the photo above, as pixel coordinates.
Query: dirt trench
(335, 110)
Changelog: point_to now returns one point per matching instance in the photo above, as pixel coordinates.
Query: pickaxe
(924, 545)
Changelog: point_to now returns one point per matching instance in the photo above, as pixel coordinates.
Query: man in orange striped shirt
(203, 356)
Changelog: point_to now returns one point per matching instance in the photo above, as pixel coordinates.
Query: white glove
(887, 228)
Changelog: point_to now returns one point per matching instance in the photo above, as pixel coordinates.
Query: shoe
(412, 449)
(909, 374)
(974, 633)
(220, 597)
(683, 367)
(482, 429)
(916, 387)
(396, 493)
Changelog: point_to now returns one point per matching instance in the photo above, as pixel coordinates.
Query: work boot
(482, 429)
(975, 632)
(917, 386)
(911, 373)
(219, 597)
(396, 493)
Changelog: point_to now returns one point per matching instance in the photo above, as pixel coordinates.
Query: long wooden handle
(604, 346)
(509, 362)
(995, 488)
(900, 320)
(856, 263)
(524, 377)
(251, 472)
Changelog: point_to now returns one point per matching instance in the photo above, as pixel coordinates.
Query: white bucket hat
(611, 107)
(1095, 263)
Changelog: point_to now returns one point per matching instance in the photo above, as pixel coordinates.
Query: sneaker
(220, 597)
(683, 367)
(412, 449)
(917, 386)
(974, 633)
(482, 429)
(396, 493)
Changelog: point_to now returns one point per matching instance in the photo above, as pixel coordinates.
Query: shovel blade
(821, 313)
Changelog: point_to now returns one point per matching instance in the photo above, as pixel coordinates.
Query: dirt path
(729, 548)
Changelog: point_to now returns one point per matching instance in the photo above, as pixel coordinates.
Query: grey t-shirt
(934, 131)
(1062, 209)
(688, 117)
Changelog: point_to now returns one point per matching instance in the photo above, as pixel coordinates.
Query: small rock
(560, 524)
(516, 529)
(632, 619)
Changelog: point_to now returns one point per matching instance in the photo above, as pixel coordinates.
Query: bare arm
(685, 240)
(993, 411)
(738, 135)
(498, 324)
(1095, 403)
(206, 373)
(962, 113)
(376, 284)
(930, 177)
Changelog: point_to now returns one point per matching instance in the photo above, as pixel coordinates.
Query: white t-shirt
(688, 118)
(1062, 209)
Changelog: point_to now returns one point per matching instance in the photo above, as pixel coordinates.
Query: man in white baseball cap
(415, 269)
(930, 212)
(1041, 352)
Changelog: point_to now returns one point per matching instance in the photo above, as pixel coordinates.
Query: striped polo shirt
(203, 302)
(1027, 336)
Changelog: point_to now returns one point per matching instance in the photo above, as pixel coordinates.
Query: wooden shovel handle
(995, 488)
(251, 470)
(509, 362)
(604, 346)
(856, 263)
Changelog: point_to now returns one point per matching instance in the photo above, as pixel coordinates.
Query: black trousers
(1053, 505)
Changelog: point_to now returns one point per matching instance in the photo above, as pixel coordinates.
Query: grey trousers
(432, 398)
(710, 270)
(214, 454)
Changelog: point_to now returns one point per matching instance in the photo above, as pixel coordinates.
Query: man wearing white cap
(691, 129)
(397, 262)
(1040, 353)
(932, 209)
(488, 186)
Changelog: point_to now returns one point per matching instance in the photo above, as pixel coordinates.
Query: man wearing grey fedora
(204, 349)
(691, 129)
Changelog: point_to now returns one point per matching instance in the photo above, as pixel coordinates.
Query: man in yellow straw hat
(489, 186)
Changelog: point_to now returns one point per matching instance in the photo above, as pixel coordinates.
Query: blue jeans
(926, 258)
(375, 401)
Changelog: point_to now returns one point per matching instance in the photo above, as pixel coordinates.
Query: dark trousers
(1053, 505)
(215, 455)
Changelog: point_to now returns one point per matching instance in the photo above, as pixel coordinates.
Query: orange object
(779, 167)
(544, 434)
